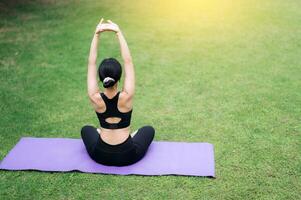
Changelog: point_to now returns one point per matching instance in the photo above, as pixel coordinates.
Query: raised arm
(129, 79)
(92, 72)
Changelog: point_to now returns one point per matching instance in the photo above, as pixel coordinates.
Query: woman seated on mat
(113, 144)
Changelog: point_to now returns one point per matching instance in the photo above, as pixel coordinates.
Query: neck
(111, 91)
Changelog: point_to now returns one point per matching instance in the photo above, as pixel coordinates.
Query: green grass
(224, 72)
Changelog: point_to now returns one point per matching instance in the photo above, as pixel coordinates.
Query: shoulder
(96, 100)
(126, 100)
(124, 96)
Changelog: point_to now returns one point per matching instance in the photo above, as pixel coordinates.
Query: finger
(101, 21)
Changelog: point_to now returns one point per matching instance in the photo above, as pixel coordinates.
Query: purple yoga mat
(67, 154)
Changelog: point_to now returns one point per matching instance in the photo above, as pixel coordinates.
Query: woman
(113, 144)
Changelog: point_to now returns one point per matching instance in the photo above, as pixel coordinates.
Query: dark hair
(109, 69)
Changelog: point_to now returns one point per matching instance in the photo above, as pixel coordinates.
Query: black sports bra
(112, 111)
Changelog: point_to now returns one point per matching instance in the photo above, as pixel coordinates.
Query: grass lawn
(223, 72)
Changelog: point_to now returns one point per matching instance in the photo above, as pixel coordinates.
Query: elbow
(128, 61)
(90, 95)
(91, 62)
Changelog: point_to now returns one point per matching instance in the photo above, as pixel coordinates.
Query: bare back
(125, 104)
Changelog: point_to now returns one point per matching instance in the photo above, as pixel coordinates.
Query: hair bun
(108, 82)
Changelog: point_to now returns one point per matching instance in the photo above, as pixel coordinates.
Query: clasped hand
(110, 26)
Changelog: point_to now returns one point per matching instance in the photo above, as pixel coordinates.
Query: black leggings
(128, 152)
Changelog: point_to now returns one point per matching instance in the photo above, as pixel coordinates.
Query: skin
(125, 101)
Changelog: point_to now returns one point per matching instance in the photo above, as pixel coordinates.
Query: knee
(149, 130)
(85, 129)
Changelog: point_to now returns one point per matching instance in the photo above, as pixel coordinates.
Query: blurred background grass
(225, 72)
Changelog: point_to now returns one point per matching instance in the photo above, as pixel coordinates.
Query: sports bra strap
(112, 111)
